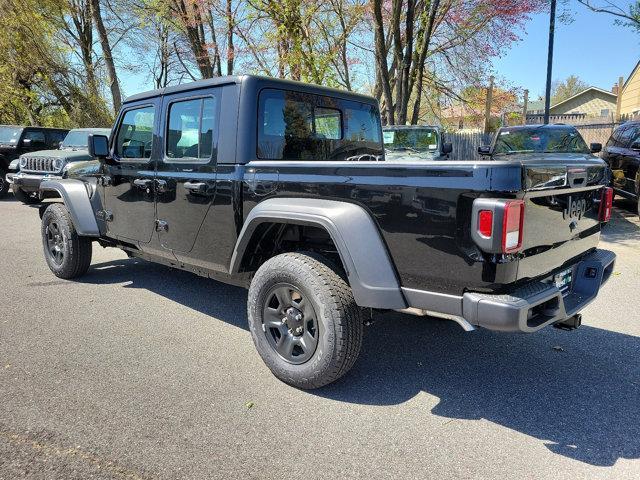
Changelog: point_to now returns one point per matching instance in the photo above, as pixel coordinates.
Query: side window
(634, 137)
(36, 138)
(627, 135)
(192, 129)
(614, 140)
(135, 135)
(55, 138)
(300, 126)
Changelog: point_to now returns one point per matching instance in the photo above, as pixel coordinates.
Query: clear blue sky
(591, 47)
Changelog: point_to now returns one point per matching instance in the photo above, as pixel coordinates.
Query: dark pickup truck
(282, 187)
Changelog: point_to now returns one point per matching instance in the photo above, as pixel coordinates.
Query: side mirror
(635, 146)
(98, 146)
(484, 150)
(447, 148)
(60, 144)
(596, 147)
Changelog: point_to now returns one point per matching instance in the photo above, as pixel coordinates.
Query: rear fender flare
(79, 198)
(364, 255)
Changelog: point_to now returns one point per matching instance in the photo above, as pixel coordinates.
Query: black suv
(622, 153)
(16, 140)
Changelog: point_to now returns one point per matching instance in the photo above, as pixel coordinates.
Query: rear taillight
(512, 226)
(606, 204)
(485, 223)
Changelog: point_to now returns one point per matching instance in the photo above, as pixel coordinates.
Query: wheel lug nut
(299, 317)
(299, 330)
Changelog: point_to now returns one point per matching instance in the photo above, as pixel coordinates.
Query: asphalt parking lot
(139, 371)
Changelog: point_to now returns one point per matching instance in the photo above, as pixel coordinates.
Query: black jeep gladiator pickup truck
(282, 187)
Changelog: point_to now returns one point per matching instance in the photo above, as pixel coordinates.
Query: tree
(48, 67)
(567, 88)
(105, 44)
(629, 17)
(440, 45)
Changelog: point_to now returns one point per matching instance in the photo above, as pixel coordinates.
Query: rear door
(129, 188)
(186, 171)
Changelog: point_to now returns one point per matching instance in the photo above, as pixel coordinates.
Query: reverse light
(512, 226)
(485, 223)
(606, 204)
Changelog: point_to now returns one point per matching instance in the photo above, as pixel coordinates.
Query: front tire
(25, 197)
(304, 320)
(67, 253)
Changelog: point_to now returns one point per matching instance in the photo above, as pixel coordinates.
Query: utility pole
(487, 107)
(525, 107)
(552, 27)
(619, 98)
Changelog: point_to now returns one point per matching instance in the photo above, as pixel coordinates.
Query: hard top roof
(240, 79)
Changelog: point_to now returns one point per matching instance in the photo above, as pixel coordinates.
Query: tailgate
(561, 221)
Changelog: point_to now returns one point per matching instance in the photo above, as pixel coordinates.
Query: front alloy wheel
(55, 242)
(68, 254)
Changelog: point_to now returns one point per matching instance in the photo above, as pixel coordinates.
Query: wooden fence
(465, 144)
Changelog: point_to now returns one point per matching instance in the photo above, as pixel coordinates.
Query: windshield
(423, 140)
(541, 140)
(9, 135)
(76, 138)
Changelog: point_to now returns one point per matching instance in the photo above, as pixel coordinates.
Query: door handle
(143, 183)
(198, 188)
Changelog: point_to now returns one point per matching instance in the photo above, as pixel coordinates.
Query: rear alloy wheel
(67, 253)
(290, 324)
(28, 198)
(304, 320)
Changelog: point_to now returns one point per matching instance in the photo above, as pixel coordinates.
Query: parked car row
(296, 192)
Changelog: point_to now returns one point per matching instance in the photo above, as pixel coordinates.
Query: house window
(604, 112)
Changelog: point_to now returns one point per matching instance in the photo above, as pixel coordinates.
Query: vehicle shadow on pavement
(578, 392)
(624, 226)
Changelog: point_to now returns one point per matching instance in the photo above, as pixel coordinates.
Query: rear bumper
(536, 304)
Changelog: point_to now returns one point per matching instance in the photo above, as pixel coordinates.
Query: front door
(186, 171)
(129, 182)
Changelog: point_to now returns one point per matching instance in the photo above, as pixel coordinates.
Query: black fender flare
(77, 197)
(364, 255)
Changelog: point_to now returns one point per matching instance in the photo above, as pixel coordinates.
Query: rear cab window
(300, 126)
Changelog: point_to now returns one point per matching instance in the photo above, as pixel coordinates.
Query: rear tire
(67, 253)
(323, 344)
(25, 197)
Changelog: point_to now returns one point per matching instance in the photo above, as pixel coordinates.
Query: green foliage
(567, 88)
(38, 83)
